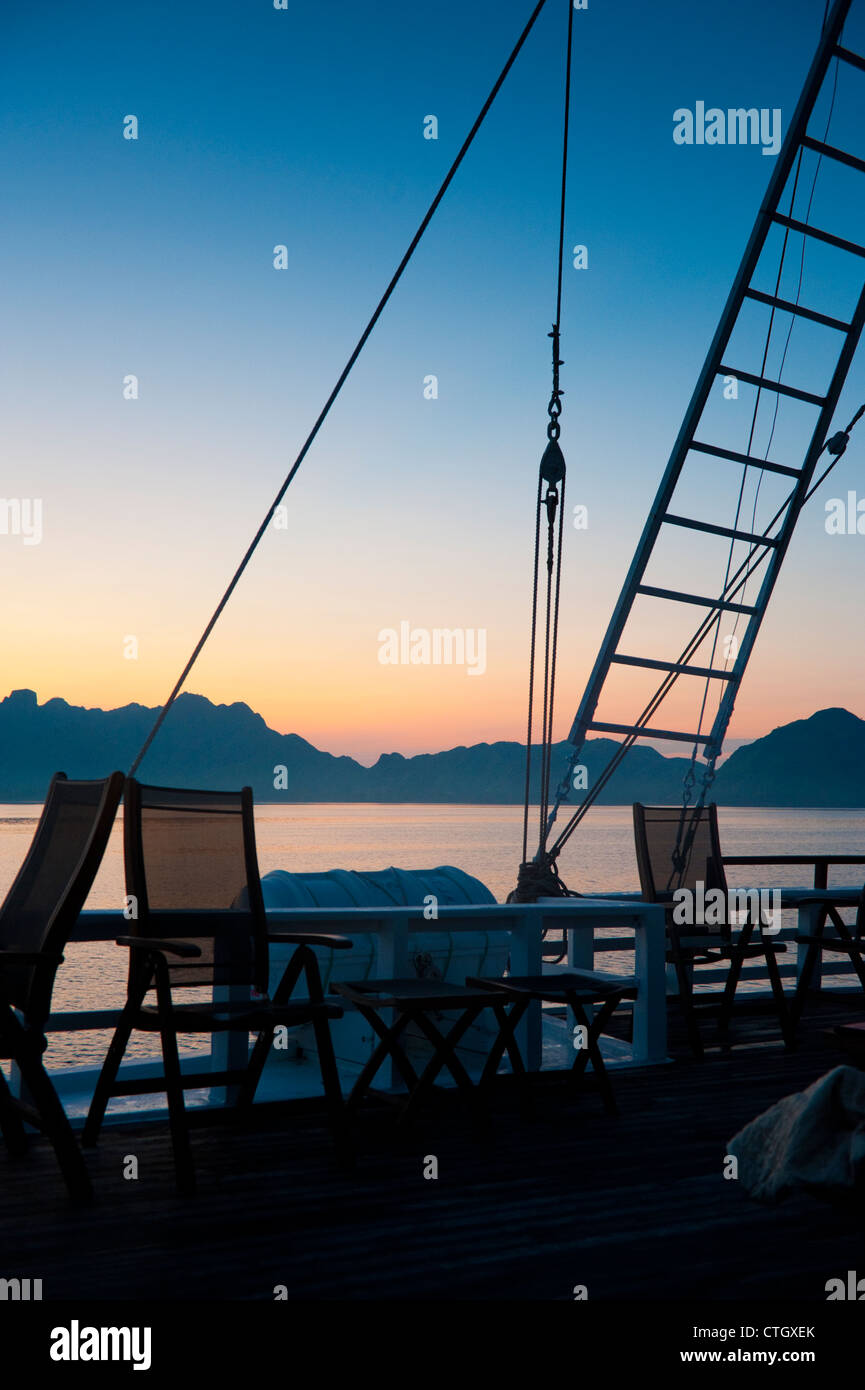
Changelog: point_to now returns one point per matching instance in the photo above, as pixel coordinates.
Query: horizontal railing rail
(103, 925)
(821, 862)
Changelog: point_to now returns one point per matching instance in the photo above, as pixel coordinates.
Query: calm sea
(483, 840)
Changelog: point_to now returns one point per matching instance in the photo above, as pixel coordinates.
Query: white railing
(590, 926)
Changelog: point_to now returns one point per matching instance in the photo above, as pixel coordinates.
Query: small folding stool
(579, 990)
(415, 1001)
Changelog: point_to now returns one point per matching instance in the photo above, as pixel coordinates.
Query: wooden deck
(633, 1207)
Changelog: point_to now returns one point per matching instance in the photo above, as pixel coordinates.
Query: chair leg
(444, 1055)
(686, 1001)
(388, 1046)
(737, 960)
(728, 999)
(254, 1069)
(302, 961)
(505, 1041)
(11, 1126)
(858, 966)
(333, 1092)
(107, 1077)
(509, 1019)
(592, 1051)
(183, 1165)
(55, 1125)
(787, 1032)
(797, 1007)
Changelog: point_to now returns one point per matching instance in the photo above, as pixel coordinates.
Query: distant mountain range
(813, 762)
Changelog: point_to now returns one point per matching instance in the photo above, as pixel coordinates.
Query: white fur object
(812, 1141)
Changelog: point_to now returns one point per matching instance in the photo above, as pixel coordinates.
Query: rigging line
(807, 221)
(625, 746)
(748, 449)
(825, 474)
(532, 646)
(550, 677)
(565, 162)
(343, 376)
(711, 619)
(552, 599)
(749, 564)
(553, 431)
(554, 563)
(542, 797)
(553, 672)
(755, 413)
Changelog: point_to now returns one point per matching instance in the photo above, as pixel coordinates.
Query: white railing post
(526, 959)
(392, 965)
(650, 1006)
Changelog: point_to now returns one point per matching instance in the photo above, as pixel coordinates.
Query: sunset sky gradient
(305, 127)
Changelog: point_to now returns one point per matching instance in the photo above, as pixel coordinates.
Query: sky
(304, 127)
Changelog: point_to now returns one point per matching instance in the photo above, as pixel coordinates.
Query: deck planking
(632, 1207)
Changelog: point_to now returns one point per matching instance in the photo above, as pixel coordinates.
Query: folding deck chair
(192, 873)
(36, 920)
(679, 849)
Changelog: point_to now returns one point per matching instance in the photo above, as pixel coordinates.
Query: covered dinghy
(436, 954)
(812, 1141)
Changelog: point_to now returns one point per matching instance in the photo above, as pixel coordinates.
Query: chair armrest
(815, 898)
(855, 946)
(13, 957)
(152, 943)
(302, 938)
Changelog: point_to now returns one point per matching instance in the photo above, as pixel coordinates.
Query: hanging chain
(554, 409)
(539, 877)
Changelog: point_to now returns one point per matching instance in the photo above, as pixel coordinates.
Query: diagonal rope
(340, 382)
(553, 590)
(735, 585)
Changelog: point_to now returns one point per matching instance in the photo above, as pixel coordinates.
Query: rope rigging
(538, 877)
(341, 380)
(688, 824)
(734, 585)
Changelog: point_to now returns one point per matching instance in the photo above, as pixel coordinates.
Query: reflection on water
(483, 840)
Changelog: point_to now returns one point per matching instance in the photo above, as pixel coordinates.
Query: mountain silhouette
(812, 762)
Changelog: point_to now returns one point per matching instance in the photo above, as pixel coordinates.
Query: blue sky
(305, 127)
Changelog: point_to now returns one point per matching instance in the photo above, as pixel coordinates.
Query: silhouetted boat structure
(631, 1207)
(573, 1197)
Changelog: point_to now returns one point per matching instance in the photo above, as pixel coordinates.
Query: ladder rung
(769, 385)
(651, 592)
(714, 530)
(848, 56)
(818, 234)
(791, 308)
(745, 458)
(643, 732)
(676, 666)
(832, 152)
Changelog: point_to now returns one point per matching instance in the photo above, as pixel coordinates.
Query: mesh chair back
(673, 854)
(42, 906)
(192, 869)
